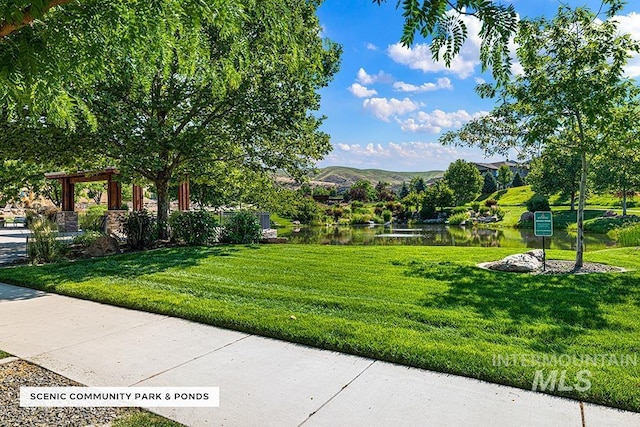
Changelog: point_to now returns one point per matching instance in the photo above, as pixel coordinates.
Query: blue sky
(388, 105)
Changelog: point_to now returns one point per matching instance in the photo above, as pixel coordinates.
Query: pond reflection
(438, 235)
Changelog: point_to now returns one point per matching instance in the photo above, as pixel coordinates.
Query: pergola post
(68, 197)
(183, 195)
(138, 198)
(114, 195)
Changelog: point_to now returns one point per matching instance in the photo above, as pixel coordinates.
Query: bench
(17, 221)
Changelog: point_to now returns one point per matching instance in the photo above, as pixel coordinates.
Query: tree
(504, 176)
(517, 181)
(383, 192)
(19, 177)
(571, 85)
(465, 181)
(362, 191)
(490, 185)
(442, 21)
(618, 169)
(49, 46)
(438, 195)
(417, 184)
(404, 191)
(556, 170)
(213, 99)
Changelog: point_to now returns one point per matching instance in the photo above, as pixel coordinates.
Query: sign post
(543, 227)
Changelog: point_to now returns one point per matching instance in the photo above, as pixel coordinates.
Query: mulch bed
(555, 266)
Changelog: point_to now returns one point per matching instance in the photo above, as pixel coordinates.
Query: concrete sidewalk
(262, 381)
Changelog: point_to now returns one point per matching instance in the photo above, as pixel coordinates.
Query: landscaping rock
(537, 254)
(526, 216)
(518, 263)
(102, 246)
(609, 214)
(487, 219)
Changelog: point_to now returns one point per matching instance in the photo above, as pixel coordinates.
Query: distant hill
(343, 177)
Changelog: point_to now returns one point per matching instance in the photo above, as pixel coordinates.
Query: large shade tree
(207, 98)
(50, 46)
(572, 82)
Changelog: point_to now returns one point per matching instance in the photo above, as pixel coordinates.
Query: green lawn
(421, 306)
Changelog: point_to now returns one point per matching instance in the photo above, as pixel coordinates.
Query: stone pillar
(114, 222)
(67, 221)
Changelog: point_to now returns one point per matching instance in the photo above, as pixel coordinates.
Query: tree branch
(7, 28)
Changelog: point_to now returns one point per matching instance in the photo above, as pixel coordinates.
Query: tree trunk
(573, 201)
(581, 204)
(162, 189)
(624, 199)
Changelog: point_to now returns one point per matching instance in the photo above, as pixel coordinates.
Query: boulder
(609, 214)
(518, 263)
(102, 246)
(526, 216)
(537, 254)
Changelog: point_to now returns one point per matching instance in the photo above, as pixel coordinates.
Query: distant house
(521, 168)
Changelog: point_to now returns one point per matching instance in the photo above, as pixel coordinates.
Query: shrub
(490, 202)
(357, 218)
(459, 210)
(43, 246)
(243, 227)
(92, 219)
(356, 204)
(337, 213)
(194, 228)
(378, 210)
(386, 215)
(475, 206)
(306, 210)
(498, 212)
(87, 238)
(538, 203)
(141, 230)
(457, 219)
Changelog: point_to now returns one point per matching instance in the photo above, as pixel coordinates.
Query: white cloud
(367, 79)
(480, 80)
(630, 24)
(419, 56)
(398, 156)
(361, 91)
(441, 83)
(436, 120)
(372, 46)
(384, 108)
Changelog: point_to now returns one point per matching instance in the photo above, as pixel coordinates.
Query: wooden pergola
(114, 189)
(69, 180)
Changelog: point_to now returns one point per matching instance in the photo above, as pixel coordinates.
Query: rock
(609, 214)
(296, 222)
(487, 219)
(537, 254)
(102, 246)
(526, 216)
(518, 263)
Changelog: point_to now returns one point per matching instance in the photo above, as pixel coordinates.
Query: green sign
(543, 224)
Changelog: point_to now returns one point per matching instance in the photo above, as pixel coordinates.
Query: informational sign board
(543, 224)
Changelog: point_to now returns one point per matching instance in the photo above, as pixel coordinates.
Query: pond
(438, 235)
